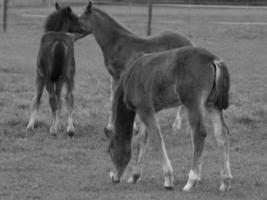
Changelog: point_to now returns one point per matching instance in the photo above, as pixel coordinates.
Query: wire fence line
(23, 18)
(33, 3)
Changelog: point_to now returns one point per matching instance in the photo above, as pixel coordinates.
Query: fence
(73, 2)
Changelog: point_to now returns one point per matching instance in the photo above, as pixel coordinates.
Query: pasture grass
(35, 166)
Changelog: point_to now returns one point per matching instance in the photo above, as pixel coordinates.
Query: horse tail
(222, 84)
(58, 59)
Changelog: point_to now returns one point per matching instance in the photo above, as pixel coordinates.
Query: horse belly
(166, 98)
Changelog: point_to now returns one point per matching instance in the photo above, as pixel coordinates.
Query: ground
(36, 166)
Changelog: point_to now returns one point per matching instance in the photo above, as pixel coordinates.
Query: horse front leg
(108, 130)
(148, 118)
(141, 149)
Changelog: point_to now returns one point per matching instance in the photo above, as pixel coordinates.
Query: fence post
(150, 4)
(5, 7)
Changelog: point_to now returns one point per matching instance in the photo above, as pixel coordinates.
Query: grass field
(39, 167)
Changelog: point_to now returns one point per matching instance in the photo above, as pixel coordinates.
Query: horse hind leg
(198, 133)
(141, 148)
(53, 101)
(36, 102)
(70, 103)
(222, 138)
(59, 86)
(147, 116)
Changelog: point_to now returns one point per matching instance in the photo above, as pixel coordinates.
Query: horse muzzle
(114, 177)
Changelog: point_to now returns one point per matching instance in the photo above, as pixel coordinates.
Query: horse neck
(107, 31)
(123, 117)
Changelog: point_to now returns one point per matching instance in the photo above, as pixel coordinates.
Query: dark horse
(190, 76)
(56, 65)
(120, 46)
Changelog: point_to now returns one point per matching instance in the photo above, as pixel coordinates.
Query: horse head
(63, 20)
(86, 18)
(120, 154)
(120, 141)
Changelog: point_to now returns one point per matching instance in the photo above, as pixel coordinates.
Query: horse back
(128, 48)
(169, 78)
(167, 40)
(56, 55)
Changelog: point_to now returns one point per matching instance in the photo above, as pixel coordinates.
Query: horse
(191, 76)
(120, 46)
(56, 66)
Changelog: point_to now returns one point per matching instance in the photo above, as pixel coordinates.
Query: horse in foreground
(190, 76)
(56, 66)
(120, 46)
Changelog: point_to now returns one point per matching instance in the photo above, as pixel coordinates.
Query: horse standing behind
(56, 66)
(190, 76)
(120, 46)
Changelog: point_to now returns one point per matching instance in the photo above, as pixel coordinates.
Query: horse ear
(57, 6)
(89, 6)
(69, 10)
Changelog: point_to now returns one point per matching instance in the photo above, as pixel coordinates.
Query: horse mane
(55, 20)
(115, 23)
(122, 115)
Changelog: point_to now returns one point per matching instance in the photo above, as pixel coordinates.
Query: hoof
(113, 179)
(134, 178)
(225, 185)
(30, 127)
(108, 132)
(168, 187)
(53, 134)
(168, 182)
(190, 184)
(71, 133)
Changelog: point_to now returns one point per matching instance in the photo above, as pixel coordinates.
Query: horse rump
(222, 85)
(58, 56)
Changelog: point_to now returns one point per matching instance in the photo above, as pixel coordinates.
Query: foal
(56, 66)
(120, 46)
(190, 76)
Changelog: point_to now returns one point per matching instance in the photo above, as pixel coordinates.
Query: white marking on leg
(177, 125)
(193, 178)
(110, 117)
(32, 120)
(166, 164)
(70, 122)
(222, 139)
(150, 121)
(141, 149)
(53, 128)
